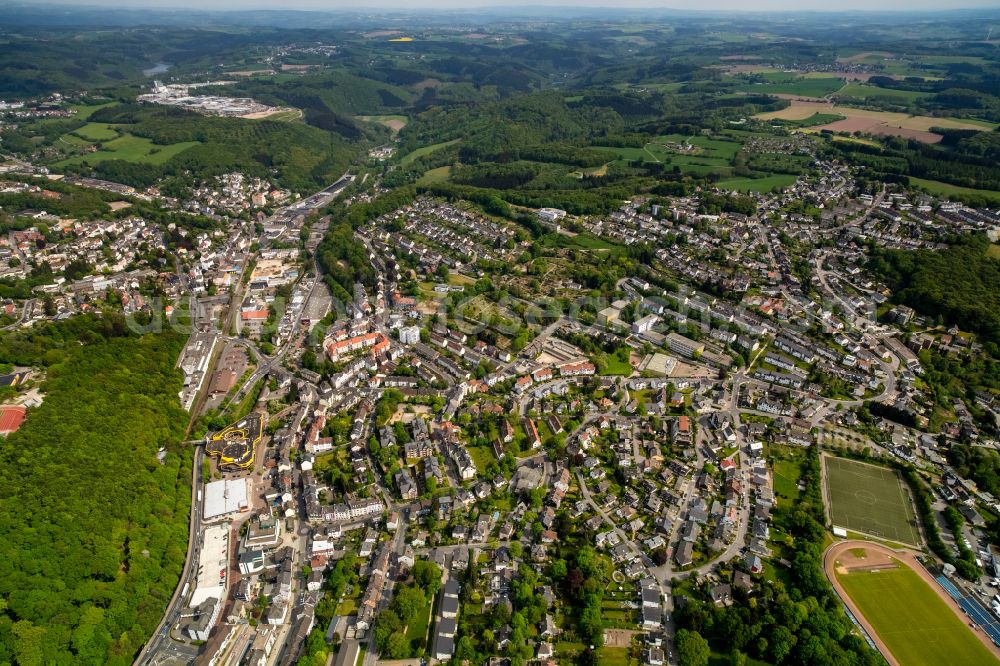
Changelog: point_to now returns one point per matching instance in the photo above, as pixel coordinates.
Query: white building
(224, 498)
(551, 214)
(409, 335)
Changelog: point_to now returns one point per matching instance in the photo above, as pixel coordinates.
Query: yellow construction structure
(235, 444)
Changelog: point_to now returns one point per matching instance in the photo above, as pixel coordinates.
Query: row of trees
(408, 603)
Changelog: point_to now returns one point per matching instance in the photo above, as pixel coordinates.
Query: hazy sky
(739, 5)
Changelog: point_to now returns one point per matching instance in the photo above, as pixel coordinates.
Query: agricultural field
(946, 190)
(869, 499)
(765, 184)
(863, 91)
(131, 149)
(885, 123)
(784, 83)
(917, 627)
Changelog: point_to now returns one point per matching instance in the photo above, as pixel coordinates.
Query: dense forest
(94, 525)
(958, 284)
(344, 262)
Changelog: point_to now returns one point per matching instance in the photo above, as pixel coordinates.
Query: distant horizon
(469, 6)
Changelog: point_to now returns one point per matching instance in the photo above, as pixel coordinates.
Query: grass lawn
(426, 150)
(765, 184)
(946, 190)
(609, 364)
(348, 606)
(416, 631)
(870, 499)
(483, 456)
(916, 625)
(717, 659)
(568, 649)
(131, 149)
(786, 479)
(993, 251)
(609, 656)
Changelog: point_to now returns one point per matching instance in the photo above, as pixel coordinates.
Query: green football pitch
(870, 499)
(912, 621)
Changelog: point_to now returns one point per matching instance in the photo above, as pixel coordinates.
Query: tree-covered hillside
(958, 284)
(94, 525)
(298, 156)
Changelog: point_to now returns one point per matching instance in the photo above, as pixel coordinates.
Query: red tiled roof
(11, 418)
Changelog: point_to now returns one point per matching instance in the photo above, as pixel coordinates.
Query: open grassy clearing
(698, 155)
(585, 241)
(416, 631)
(765, 184)
(610, 364)
(285, 115)
(915, 624)
(609, 656)
(85, 111)
(483, 456)
(787, 466)
(870, 499)
(438, 175)
(629, 154)
(811, 121)
(864, 91)
(131, 149)
(426, 150)
(97, 132)
(856, 139)
(946, 190)
(393, 122)
(656, 87)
